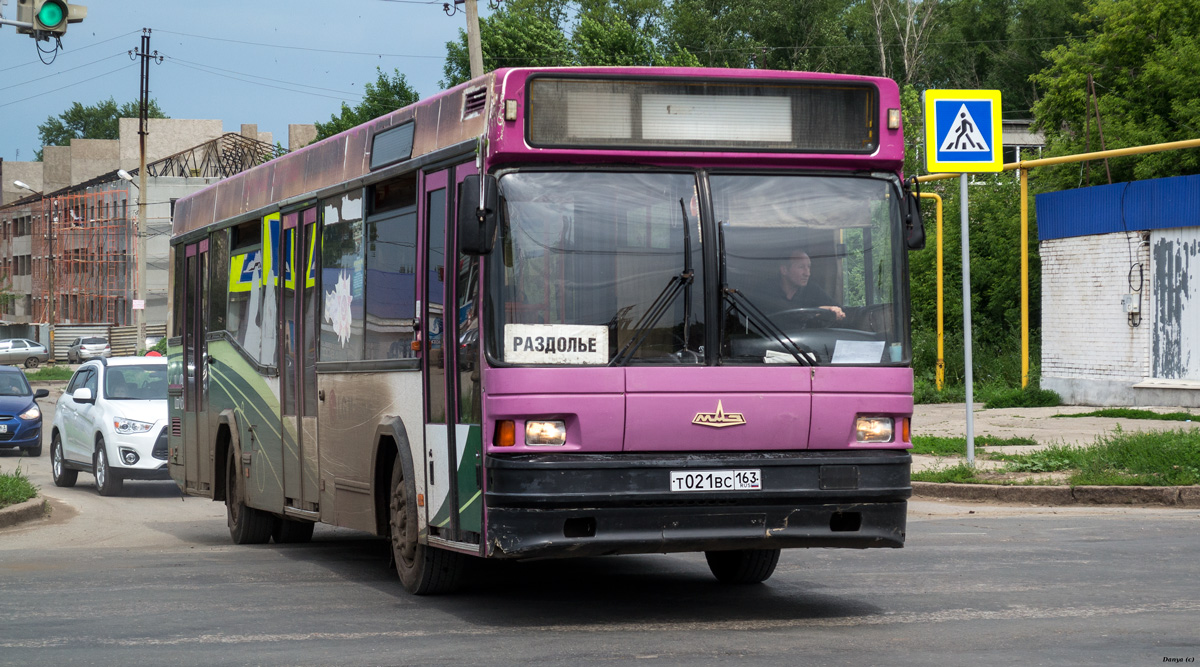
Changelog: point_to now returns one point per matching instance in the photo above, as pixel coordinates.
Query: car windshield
(140, 383)
(598, 263)
(94, 341)
(14, 384)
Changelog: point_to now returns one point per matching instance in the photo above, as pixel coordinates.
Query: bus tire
(246, 524)
(291, 531)
(423, 570)
(743, 566)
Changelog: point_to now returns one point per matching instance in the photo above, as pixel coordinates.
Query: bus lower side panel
(546, 507)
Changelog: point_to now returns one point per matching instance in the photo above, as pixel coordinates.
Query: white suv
(111, 422)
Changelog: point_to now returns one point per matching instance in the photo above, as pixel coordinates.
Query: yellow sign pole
(940, 378)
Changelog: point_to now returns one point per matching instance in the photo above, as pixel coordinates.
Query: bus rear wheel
(246, 524)
(423, 570)
(743, 566)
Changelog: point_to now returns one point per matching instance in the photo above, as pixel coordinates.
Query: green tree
(1145, 60)
(95, 121)
(538, 33)
(519, 34)
(382, 97)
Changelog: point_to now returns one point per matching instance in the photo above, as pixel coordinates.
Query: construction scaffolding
(83, 253)
(222, 157)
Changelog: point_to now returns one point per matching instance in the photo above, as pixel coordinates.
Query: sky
(266, 62)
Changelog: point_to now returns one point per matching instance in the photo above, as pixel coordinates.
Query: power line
(82, 48)
(266, 85)
(302, 48)
(70, 85)
(254, 76)
(43, 78)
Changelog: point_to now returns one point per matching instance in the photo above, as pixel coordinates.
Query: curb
(29, 510)
(1170, 496)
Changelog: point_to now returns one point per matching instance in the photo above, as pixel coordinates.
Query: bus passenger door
(452, 447)
(298, 372)
(197, 449)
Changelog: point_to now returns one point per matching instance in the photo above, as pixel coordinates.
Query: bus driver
(795, 290)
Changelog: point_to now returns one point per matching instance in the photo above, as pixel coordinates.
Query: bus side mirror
(476, 223)
(914, 227)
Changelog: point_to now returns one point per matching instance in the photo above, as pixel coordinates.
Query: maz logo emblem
(720, 418)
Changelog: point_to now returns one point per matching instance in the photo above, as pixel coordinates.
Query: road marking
(1016, 612)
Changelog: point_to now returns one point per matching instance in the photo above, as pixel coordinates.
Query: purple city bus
(561, 312)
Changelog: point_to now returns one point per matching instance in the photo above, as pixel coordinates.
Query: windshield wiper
(663, 301)
(752, 312)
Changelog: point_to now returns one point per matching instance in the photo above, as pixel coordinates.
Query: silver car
(82, 349)
(23, 351)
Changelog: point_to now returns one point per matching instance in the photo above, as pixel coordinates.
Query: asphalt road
(149, 579)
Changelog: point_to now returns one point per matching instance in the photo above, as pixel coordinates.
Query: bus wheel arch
(391, 443)
(423, 570)
(225, 441)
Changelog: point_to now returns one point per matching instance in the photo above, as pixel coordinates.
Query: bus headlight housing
(873, 429)
(545, 433)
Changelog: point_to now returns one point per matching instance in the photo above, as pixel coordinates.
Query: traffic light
(48, 17)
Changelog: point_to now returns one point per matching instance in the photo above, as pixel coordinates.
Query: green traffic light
(50, 15)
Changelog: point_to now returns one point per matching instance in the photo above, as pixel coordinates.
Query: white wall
(1090, 353)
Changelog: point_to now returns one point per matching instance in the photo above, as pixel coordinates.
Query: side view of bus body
(560, 312)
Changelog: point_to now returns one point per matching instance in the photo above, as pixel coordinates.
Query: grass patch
(1029, 397)
(15, 488)
(925, 392)
(1054, 458)
(959, 474)
(1150, 458)
(1132, 413)
(940, 446)
(50, 373)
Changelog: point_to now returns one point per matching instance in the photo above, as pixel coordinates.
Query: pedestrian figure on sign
(964, 132)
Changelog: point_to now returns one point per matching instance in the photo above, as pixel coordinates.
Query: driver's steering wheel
(818, 317)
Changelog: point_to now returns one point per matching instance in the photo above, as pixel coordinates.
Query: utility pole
(139, 304)
(474, 47)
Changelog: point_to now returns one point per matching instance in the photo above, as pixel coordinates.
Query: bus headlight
(545, 433)
(874, 429)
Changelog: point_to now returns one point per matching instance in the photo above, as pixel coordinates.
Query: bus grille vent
(176, 427)
(474, 101)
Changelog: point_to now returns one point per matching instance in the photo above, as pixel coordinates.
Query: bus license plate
(716, 480)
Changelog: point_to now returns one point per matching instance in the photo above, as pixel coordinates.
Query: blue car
(20, 416)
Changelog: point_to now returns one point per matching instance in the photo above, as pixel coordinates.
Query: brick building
(1120, 308)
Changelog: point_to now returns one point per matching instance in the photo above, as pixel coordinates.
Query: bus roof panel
(331, 161)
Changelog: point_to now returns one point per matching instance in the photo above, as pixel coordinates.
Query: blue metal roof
(1161, 203)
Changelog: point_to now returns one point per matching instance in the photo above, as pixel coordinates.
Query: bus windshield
(816, 261)
(596, 260)
(607, 268)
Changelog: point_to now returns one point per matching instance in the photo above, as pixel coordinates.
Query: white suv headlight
(32, 413)
(126, 426)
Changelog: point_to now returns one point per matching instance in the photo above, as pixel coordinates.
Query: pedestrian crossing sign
(963, 131)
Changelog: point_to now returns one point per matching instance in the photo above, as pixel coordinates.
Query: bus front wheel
(423, 570)
(743, 566)
(247, 525)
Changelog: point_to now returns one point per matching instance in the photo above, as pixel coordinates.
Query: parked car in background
(82, 349)
(23, 351)
(111, 423)
(20, 415)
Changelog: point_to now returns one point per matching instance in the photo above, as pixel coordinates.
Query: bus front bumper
(541, 506)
